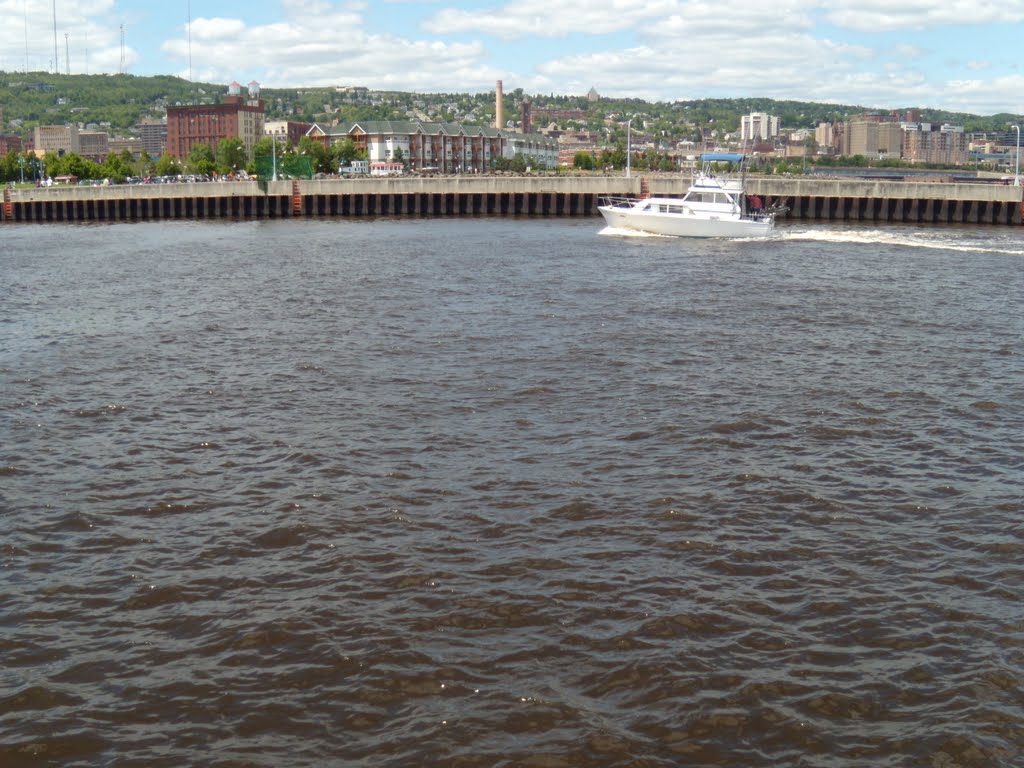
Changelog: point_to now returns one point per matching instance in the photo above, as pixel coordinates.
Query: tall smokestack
(499, 106)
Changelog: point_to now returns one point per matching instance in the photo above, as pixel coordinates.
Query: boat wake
(623, 232)
(942, 241)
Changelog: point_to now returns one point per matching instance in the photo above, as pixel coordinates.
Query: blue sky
(948, 54)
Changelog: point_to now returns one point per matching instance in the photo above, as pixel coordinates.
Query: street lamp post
(1016, 172)
(628, 143)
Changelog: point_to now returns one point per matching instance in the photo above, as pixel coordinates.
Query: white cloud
(655, 49)
(542, 18)
(890, 15)
(319, 45)
(985, 97)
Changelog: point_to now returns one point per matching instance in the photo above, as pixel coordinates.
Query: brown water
(510, 493)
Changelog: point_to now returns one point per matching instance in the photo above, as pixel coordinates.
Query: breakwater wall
(925, 202)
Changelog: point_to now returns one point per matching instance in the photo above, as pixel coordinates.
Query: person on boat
(755, 204)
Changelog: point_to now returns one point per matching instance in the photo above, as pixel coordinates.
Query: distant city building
(10, 143)
(286, 130)
(873, 137)
(94, 145)
(447, 147)
(593, 95)
(56, 138)
(154, 137)
(236, 118)
(121, 143)
(354, 92)
(758, 126)
(525, 110)
(554, 113)
(933, 143)
(823, 136)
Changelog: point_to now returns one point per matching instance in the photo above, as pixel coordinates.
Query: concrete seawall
(808, 199)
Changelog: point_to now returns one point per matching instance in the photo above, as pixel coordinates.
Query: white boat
(714, 206)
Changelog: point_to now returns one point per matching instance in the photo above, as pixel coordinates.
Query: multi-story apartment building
(758, 126)
(237, 117)
(933, 143)
(884, 136)
(872, 138)
(154, 137)
(823, 136)
(94, 145)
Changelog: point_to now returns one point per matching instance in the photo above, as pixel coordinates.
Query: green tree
(583, 161)
(70, 164)
(265, 147)
(9, 168)
(230, 155)
(201, 159)
(51, 164)
(319, 155)
(115, 168)
(345, 151)
(168, 165)
(614, 158)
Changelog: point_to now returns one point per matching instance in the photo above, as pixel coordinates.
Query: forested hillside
(34, 98)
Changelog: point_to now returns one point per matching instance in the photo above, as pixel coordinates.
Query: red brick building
(10, 143)
(237, 117)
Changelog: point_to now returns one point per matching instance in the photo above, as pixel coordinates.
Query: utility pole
(1016, 173)
(190, 43)
(67, 54)
(24, 13)
(629, 142)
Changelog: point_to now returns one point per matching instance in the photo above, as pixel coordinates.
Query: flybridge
(723, 157)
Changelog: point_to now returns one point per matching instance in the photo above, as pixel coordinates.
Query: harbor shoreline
(808, 199)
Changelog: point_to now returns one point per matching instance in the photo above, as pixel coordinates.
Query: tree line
(228, 158)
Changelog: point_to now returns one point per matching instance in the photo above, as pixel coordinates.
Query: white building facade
(445, 147)
(759, 126)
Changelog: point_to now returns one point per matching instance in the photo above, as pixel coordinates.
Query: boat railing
(610, 201)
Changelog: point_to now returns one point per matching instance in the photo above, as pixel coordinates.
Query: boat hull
(683, 225)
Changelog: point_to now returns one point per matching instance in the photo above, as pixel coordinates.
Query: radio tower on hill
(122, 49)
(56, 62)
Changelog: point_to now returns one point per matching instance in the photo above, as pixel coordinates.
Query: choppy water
(510, 493)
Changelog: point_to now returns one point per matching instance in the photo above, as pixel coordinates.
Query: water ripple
(403, 497)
